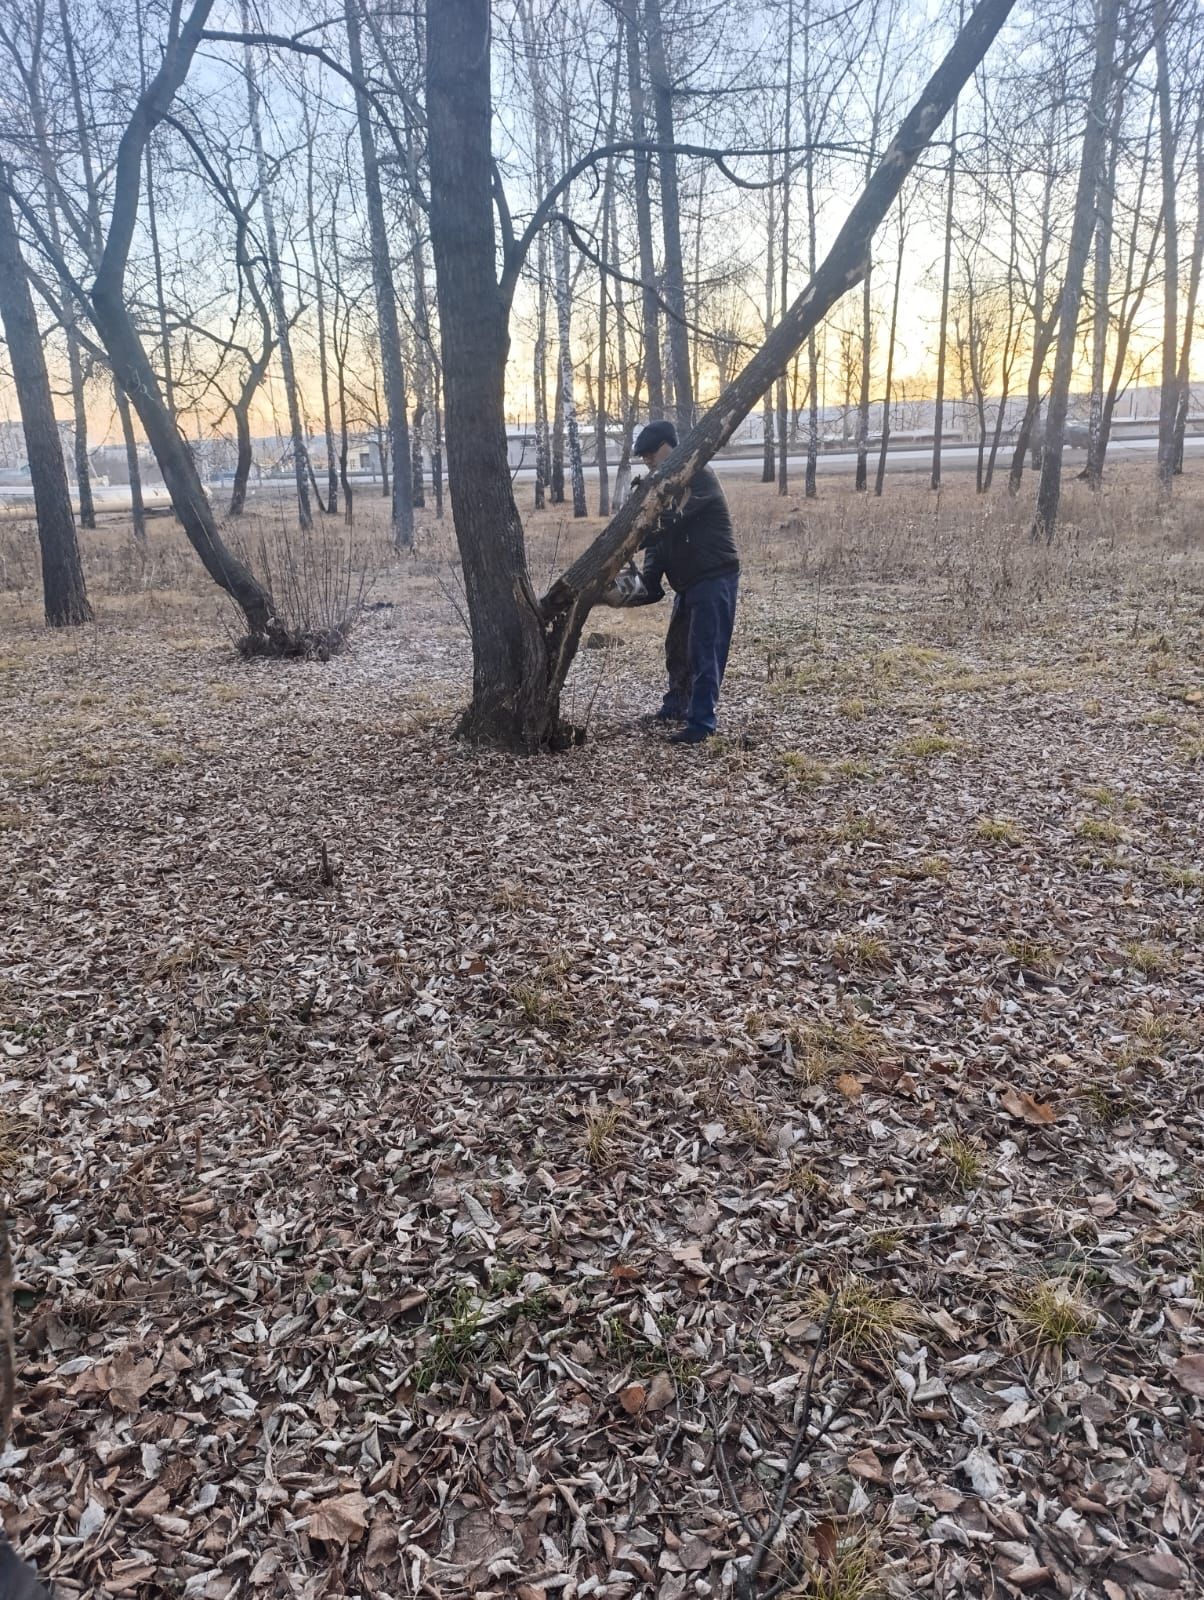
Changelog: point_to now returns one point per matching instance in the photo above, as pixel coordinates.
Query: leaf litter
(434, 1173)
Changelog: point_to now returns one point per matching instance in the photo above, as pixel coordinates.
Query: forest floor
(436, 1173)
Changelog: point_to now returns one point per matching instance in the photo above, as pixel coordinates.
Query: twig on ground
(748, 1578)
(8, 1365)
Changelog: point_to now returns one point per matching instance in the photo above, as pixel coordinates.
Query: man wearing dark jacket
(694, 547)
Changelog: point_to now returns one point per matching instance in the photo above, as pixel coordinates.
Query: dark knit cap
(653, 436)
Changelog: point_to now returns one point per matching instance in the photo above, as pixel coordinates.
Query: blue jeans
(696, 647)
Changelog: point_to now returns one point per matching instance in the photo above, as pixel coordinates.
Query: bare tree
(64, 595)
(388, 327)
(1082, 228)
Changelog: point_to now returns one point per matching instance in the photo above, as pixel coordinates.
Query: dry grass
(864, 1320)
(1053, 1312)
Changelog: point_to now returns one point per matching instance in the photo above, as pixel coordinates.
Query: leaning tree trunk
(522, 651)
(386, 301)
(64, 596)
(675, 281)
(1049, 489)
(653, 371)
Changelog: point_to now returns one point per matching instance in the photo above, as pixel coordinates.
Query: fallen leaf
(1188, 1373)
(632, 1398)
(1023, 1106)
(660, 1392)
(850, 1086)
(341, 1520)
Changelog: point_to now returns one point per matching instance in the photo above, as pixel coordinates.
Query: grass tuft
(923, 746)
(963, 1159)
(803, 769)
(861, 949)
(865, 1320)
(852, 1573)
(998, 830)
(1053, 1312)
(601, 1127)
(1101, 830)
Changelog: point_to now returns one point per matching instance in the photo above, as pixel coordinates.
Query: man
(694, 547)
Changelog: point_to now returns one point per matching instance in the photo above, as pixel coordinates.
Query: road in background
(17, 499)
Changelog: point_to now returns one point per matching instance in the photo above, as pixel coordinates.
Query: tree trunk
(276, 288)
(386, 302)
(556, 481)
(675, 283)
(811, 488)
(543, 440)
(938, 408)
(64, 595)
(133, 467)
(783, 418)
(79, 405)
(1101, 311)
(768, 453)
(1168, 400)
(1192, 302)
(1049, 490)
(243, 460)
(509, 697)
(653, 371)
(880, 477)
(626, 403)
(1044, 326)
(332, 468)
(600, 407)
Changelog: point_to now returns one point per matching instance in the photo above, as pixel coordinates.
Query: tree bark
(783, 415)
(653, 371)
(1168, 399)
(811, 488)
(509, 693)
(1191, 304)
(880, 477)
(133, 467)
(1101, 289)
(1049, 490)
(332, 466)
(675, 283)
(64, 596)
(768, 453)
(276, 289)
(386, 302)
(938, 408)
